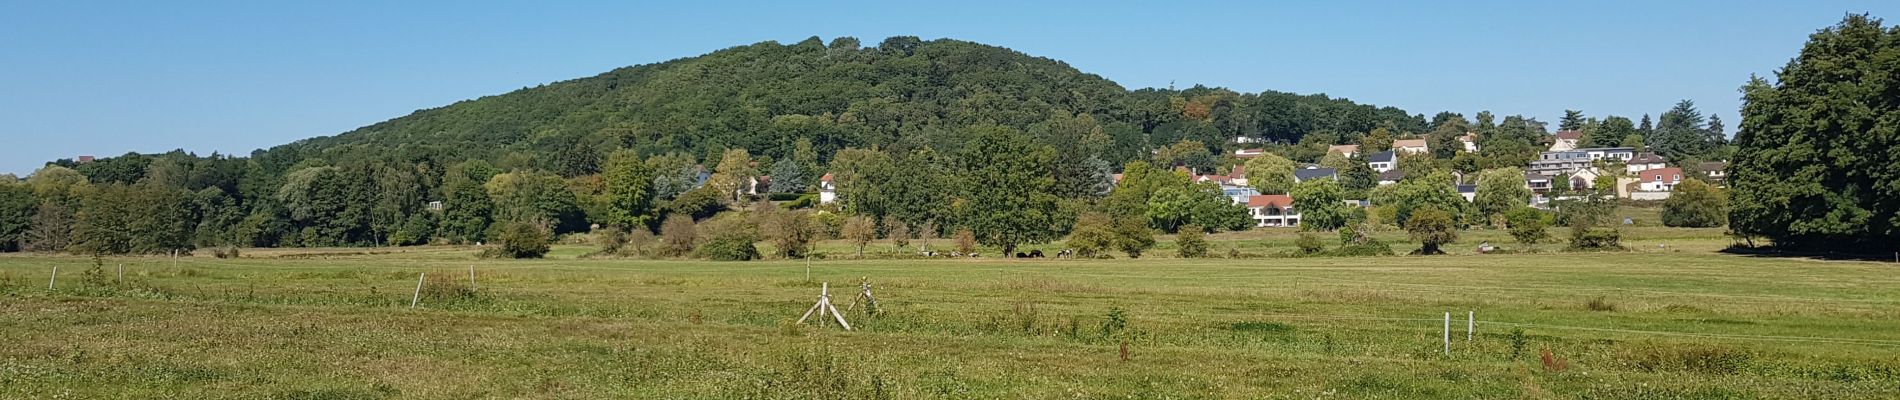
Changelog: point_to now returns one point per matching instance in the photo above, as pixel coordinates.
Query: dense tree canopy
(1815, 163)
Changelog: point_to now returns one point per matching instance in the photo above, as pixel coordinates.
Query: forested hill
(766, 97)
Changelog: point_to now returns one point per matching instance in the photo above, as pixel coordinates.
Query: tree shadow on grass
(1829, 255)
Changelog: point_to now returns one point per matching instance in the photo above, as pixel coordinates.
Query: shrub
(611, 241)
(522, 240)
(1585, 238)
(1366, 248)
(1599, 304)
(1694, 204)
(225, 252)
(1191, 242)
(966, 241)
(1527, 225)
(678, 236)
(1310, 243)
(1133, 237)
(791, 232)
(1093, 234)
(727, 237)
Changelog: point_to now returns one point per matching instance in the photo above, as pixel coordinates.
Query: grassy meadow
(1670, 319)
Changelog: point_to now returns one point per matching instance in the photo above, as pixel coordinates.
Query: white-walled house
(1658, 180)
(1566, 141)
(1561, 162)
(1470, 140)
(1646, 161)
(1383, 161)
(827, 191)
(1273, 210)
(1411, 146)
(1347, 150)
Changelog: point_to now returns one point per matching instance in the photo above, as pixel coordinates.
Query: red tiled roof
(1270, 200)
(1571, 135)
(1343, 148)
(826, 178)
(1408, 143)
(1664, 174)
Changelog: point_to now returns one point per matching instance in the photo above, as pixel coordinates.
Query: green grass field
(1670, 319)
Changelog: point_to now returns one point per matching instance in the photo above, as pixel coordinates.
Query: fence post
(418, 296)
(55, 278)
(471, 277)
(1471, 324)
(1448, 333)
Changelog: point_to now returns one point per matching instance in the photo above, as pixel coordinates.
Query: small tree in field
(1527, 225)
(898, 232)
(1134, 237)
(860, 230)
(966, 241)
(1431, 228)
(1191, 242)
(1094, 234)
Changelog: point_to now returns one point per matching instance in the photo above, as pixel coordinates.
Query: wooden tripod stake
(870, 302)
(824, 306)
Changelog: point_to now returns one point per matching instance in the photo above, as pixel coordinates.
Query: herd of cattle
(1065, 253)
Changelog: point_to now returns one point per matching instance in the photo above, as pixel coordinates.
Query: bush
(225, 252)
(966, 241)
(1585, 238)
(1527, 225)
(1694, 204)
(1366, 248)
(727, 237)
(1310, 244)
(1191, 242)
(521, 240)
(787, 196)
(1093, 234)
(678, 236)
(1133, 237)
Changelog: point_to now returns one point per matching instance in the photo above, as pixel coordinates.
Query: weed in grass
(1553, 362)
(1517, 342)
(1707, 359)
(1599, 304)
(1116, 322)
(1025, 316)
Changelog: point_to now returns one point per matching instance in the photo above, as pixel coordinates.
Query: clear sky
(103, 78)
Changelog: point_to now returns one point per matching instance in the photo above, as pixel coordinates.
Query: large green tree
(1814, 165)
(629, 190)
(1499, 191)
(1006, 188)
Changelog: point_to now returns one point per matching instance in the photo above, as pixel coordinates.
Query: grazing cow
(1021, 255)
(1035, 253)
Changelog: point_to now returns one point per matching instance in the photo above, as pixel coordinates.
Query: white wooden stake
(418, 296)
(121, 272)
(471, 277)
(1447, 333)
(55, 278)
(1471, 324)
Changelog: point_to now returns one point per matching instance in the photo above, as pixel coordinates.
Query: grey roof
(1648, 158)
(1467, 188)
(1383, 156)
(1303, 174)
(1394, 175)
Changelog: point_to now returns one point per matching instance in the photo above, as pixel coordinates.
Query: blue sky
(103, 78)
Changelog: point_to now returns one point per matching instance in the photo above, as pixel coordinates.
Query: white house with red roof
(1273, 210)
(1658, 180)
(827, 191)
(1347, 150)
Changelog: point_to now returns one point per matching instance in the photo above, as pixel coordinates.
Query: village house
(1658, 180)
(1273, 210)
(1569, 161)
(1566, 140)
(1538, 183)
(1248, 153)
(1646, 161)
(1383, 161)
(1470, 192)
(1314, 172)
(1717, 171)
(828, 192)
(1470, 140)
(1410, 146)
(1391, 177)
(1347, 150)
